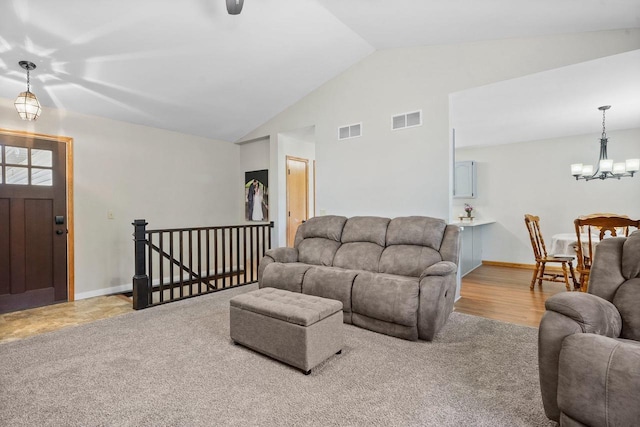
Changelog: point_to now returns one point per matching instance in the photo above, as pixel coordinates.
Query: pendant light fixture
(27, 104)
(606, 167)
(234, 7)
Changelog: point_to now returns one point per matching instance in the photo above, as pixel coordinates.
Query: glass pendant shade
(28, 106)
(632, 165)
(576, 169)
(619, 168)
(606, 165)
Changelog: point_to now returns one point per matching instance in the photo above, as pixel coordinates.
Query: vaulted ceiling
(190, 67)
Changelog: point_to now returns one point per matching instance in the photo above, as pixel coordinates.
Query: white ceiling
(188, 66)
(556, 103)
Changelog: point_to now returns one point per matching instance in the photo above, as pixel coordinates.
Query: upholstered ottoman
(298, 329)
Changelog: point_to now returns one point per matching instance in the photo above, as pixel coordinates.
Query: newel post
(140, 279)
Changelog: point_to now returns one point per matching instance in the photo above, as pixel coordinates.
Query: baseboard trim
(105, 291)
(518, 265)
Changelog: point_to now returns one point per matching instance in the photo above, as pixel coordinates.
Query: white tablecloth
(563, 243)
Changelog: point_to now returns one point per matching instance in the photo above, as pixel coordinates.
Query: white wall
(167, 178)
(535, 178)
(408, 172)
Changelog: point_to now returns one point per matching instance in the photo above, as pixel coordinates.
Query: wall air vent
(350, 131)
(406, 120)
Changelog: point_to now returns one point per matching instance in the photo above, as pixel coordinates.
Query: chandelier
(27, 104)
(606, 168)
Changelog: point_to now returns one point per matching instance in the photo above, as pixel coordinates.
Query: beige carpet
(174, 365)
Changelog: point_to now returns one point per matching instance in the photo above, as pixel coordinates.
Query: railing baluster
(190, 261)
(244, 252)
(171, 276)
(150, 266)
(199, 262)
(181, 240)
(224, 259)
(215, 255)
(230, 257)
(207, 257)
(161, 262)
(251, 251)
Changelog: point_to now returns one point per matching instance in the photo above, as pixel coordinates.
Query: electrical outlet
(110, 215)
(323, 212)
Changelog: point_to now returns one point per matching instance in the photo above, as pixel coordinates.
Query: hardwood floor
(495, 292)
(502, 293)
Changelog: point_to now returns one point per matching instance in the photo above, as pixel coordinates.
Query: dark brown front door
(33, 222)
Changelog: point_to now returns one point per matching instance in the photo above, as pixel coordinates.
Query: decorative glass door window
(25, 166)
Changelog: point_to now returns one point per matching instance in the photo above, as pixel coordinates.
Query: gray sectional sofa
(393, 276)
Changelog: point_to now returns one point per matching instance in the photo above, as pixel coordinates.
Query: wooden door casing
(297, 195)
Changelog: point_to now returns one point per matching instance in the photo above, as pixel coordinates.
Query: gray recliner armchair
(589, 343)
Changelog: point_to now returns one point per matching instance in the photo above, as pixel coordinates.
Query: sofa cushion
(317, 251)
(407, 260)
(332, 283)
(627, 301)
(326, 227)
(414, 230)
(386, 297)
(366, 229)
(284, 276)
(631, 256)
(358, 256)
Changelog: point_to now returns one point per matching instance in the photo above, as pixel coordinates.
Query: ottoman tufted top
(291, 307)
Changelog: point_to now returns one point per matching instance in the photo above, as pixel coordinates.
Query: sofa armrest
(567, 314)
(593, 314)
(284, 255)
(442, 268)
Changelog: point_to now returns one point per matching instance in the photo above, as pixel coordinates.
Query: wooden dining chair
(540, 252)
(603, 226)
(599, 214)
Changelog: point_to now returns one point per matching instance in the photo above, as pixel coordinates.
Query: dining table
(563, 244)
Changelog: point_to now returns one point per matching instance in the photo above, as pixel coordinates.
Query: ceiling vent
(406, 120)
(350, 131)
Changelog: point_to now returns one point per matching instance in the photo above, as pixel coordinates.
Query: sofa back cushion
(627, 301)
(371, 229)
(413, 244)
(416, 230)
(363, 240)
(318, 239)
(631, 256)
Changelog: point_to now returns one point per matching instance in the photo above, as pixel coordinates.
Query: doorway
(297, 195)
(35, 219)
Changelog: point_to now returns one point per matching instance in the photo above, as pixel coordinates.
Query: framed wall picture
(256, 195)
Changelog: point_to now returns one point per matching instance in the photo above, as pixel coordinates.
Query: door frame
(68, 141)
(306, 182)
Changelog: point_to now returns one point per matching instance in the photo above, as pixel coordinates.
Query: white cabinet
(471, 247)
(471, 251)
(464, 180)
